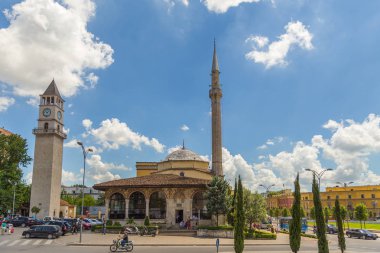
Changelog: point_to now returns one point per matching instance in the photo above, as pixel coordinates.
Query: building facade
(5, 132)
(48, 151)
(76, 191)
(349, 196)
(172, 190)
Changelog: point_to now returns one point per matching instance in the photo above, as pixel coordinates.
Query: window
(137, 206)
(352, 190)
(199, 207)
(46, 126)
(182, 174)
(349, 196)
(328, 197)
(306, 198)
(362, 196)
(157, 205)
(117, 206)
(373, 196)
(337, 196)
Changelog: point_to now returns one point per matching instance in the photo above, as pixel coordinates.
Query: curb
(172, 245)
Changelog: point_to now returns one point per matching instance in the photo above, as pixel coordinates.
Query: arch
(199, 206)
(137, 205)
(117, 206)
(157, 205)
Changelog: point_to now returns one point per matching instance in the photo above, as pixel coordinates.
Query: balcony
(49, 131)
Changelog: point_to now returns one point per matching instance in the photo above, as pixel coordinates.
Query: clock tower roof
(52, 90)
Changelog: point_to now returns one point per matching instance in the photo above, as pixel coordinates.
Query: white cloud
(262, 147)
(48, 39)
(276, 52)
(5, 103)
(70, 178)
(184, 128)
(112, 134)
(175, 148)
(221, 6)
(72, 144)
(33, 102)
(87, 123)
(100, 171)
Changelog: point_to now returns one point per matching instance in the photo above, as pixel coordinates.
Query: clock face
(46, 112)
(59, 114)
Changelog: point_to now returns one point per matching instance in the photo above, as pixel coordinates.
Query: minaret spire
(215, 95)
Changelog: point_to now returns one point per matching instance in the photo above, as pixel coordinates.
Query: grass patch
(357, 225)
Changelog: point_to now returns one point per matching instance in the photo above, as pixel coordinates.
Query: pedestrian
(3, 227)
(104, 225)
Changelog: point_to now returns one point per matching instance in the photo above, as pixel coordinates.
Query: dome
(183, 154)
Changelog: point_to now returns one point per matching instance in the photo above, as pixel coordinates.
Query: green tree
(285, 212)
(101, 200)
(239, 220)
(326, 213)
(271, 212)
(218, 197)
(323, 246)
(277, 212)
(35, 210)
(312, 213)
(344, 215)
(295, 223)
(361, 213)
(13, 156)
(146, 221)
(230, 215)
(254, 207)
(303, 215)
(339, 223)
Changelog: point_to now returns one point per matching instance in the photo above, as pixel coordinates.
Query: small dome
(183, 154)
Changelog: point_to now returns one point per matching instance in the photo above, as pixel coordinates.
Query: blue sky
(300, 83)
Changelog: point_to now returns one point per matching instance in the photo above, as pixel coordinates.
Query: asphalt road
(14, 243)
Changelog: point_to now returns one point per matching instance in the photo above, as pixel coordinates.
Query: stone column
(147, 207)
(170, 212)
(126, 208)
(107, 200)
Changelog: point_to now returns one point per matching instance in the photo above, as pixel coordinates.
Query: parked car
(49, 231)
(34, 221)
(96, 222)
(331, 229)
(93, 223)
(86, 225)
(21, 221)
(61, 224)
(361, 233)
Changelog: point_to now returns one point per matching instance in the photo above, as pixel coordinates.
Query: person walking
(104, 225)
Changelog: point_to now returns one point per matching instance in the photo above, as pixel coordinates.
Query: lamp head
(308, 169)
(329, 169)
(79, 143)
(90, 150)
(351, 182)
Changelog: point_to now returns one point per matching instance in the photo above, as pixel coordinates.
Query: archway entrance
(157, 206)
(117, 206)
(137, 206)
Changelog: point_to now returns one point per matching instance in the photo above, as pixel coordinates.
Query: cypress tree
(230, 216)
(339, 223)
(239, 220)
(323, 246)
(295, 223)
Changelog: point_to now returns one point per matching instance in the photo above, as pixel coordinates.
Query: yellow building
(349, 196)
(280, 199)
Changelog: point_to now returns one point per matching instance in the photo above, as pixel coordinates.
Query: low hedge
(302, 234)
(120, 228)
(259, 235)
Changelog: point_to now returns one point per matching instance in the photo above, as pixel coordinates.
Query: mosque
(173, 189)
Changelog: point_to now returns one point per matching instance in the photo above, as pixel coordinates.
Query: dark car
(61, 224)
(361, 233)
(21, 221)
(331, 229)
(47, 231)
(33, 222)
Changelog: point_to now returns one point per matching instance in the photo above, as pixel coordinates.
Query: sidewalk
(92, 239)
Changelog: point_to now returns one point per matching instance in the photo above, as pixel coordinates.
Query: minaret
(48, 150)
(215, 96)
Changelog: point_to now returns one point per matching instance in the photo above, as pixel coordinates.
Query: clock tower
(48, 150)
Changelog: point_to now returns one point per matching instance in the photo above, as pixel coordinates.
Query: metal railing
(49, 131)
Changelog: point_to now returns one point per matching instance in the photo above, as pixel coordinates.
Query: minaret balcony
(37, 131)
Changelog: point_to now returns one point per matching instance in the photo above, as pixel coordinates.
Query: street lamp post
(345, 184)
(85, 152)
(319, 175)
(267, 187)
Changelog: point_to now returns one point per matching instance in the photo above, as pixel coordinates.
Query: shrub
(146, 221)
(131, 221)
(117, 224)
(225, 227)
(109, 223)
